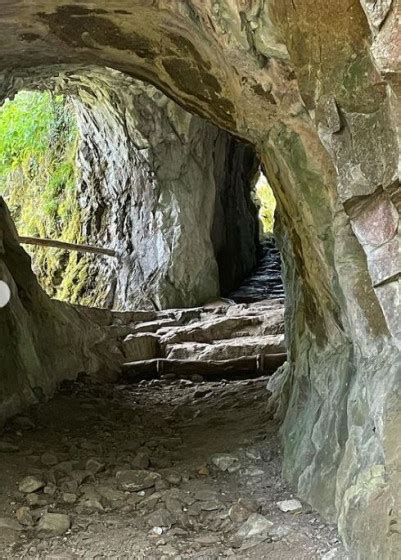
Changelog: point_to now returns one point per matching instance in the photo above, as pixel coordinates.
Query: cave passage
(55, 155)
(172, 190)
(177, 106)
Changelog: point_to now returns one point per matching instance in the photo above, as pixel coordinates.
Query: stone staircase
(266, 282)
(222, 338)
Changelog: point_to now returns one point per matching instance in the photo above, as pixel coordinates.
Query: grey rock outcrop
(169, 192)
(43, 341)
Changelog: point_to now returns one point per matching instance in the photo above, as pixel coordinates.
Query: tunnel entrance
(38, 180)
(139, 216)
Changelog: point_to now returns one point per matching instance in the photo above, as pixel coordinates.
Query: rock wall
(36, 332)
(166, 190)
(155, 181)
(314, 85)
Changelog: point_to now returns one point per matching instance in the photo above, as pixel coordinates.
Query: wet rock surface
(266, 281)
(148, 471)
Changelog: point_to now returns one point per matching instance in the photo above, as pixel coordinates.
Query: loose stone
(31, 484)
(290, 506)
(135, 481)
(225, 462)
(55, 523)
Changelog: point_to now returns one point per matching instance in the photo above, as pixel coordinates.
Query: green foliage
(38, 144)
(267, 202)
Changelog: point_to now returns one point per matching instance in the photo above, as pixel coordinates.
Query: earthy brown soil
(173, 428)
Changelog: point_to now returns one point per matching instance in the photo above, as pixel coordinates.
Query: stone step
(214, 329)
(227, 349)
(251, 366)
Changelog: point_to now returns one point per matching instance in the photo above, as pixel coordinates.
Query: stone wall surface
(152, 180)
(42, 341)
(315, 87)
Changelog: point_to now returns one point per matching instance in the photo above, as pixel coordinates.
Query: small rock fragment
(23, 515)
(92, 504)
(31, 484)
(160, 518)
(174, 478)
(110, 494)
(205, 495)
(202, 471)
(207, 540)
(290, 506)
(36, 500)
(50, 489)
(256, 524)
(134, 481)
(69, 498)
(239, 513)
(173, 505)
(55, 523)
(225, 462)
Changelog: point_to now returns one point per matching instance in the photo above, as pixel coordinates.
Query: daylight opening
(267, 205)
(38, 180)
(169, 221)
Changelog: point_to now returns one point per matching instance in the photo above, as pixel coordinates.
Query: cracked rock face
(315, 87)
(169, 192)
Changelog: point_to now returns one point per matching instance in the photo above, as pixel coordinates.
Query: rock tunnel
(311, 89)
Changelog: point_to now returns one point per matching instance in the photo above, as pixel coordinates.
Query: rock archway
(314, 86)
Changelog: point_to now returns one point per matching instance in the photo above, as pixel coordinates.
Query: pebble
(256, 524)
(110, 494)
(36, 500)
(290, 506)
(239, 513)
(23, 515)
(50, 489)
(69, 498)
(91, 504)
(160, 518)
(205, 495)
(226, 463)
(202, 471)
(174, 478)
(55, 523)
(134, 481)
(207, 540)
(173, 505)
(31, 484)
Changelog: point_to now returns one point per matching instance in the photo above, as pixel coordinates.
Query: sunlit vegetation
(38, 144)
(267, 202)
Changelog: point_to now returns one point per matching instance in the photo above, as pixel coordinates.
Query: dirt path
(137, 472)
